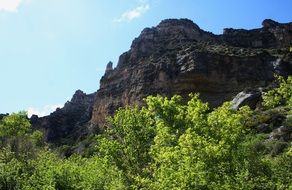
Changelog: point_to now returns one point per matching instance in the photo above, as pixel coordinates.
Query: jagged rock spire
(109, 67)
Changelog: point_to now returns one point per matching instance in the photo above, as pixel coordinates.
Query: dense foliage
(167, 144)
(170, 145)
(281, 95)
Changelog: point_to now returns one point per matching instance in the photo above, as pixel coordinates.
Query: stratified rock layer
(177, 57)
(271, 35)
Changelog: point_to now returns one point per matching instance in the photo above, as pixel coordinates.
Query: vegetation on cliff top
(166, 144)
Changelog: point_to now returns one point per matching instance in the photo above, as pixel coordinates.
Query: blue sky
(50, 48)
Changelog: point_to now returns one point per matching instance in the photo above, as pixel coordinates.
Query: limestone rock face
(271, 35)
(177, 57)
(167, 35)
(69, 121)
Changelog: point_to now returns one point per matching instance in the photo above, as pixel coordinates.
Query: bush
(281, 95)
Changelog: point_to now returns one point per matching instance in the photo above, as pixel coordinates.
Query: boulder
(246, 98)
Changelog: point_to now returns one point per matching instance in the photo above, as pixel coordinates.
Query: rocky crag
(67, 124)
(177, 57)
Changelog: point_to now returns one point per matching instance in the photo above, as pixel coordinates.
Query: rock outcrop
(249, 98)
(271, 35)
(109, 67)
(177, 57)
(67, 123)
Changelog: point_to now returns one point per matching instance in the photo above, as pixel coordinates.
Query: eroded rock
(177, 57)
(246, 98)
(68, 122)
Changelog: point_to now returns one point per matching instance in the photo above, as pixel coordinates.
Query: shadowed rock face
(177, 57)
(271, 35)
(69, 121)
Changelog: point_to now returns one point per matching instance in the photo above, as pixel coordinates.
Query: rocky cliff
(67, 123)
(177, 57)
(271, 35)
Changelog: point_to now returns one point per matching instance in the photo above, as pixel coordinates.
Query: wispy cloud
(133, 13)
(10, 5)
(46, 110)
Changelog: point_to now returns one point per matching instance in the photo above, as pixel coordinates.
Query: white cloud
(46, 110)
(134, 13)
(10, 5)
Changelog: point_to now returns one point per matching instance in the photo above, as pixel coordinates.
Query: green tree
(15, 124)
(126, 144)
(88, 173)
(196, 148)
(41, 172)
(10, 170)
(14, 132)
(281, 95)
(171, 145)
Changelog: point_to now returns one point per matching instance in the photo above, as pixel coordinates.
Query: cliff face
(67, 123)
(177, 57)
(271, 35)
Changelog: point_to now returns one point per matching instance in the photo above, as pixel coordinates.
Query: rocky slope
(177, 57)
